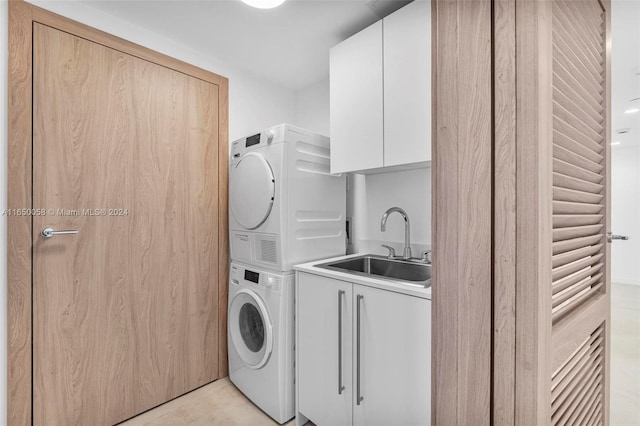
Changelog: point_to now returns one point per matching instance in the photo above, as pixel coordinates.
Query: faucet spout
(407, 228)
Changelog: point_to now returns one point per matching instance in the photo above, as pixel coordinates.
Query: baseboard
(628, 281)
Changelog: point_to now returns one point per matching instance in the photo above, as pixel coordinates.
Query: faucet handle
(392, 251)
(426, 256)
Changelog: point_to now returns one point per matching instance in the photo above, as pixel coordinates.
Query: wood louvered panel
(579, 204)
(579, 124)
(577, 385)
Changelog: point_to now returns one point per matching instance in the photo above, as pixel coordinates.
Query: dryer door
(252, 190)
(250, 328)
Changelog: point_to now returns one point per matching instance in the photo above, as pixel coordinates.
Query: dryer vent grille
(268, 251)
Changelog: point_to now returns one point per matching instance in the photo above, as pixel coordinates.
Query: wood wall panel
(462, 213)
(19, 227)
(504, 232)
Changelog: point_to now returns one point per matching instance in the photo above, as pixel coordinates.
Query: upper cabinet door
(356, 102)
(407, 84)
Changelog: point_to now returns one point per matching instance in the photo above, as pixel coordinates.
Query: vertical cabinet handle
(340, 386)
(359, 396)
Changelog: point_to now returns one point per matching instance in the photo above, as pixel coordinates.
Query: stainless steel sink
(407, 271)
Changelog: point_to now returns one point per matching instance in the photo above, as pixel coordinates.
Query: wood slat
(564, 207)
(562, 234)
(582, 371)
(576, 147)
(572, 361)
(566, 15)
(563, 77)
(568, 156)
(577, 383)
(576, 243)
(569, 41)
(568, 257)
(567, 70)
(573, 267)
(588, 391)
(570, 61)
(594, 413)
(566, 194)
(564, 220)
(572, 291)
(570, 182)
(594, 37)
(571, 109)
(588, 139)
(572, 170)
(579, 95)
(575, 303)
(584, 34)
(572, 280)
(570, 115)
(579, 396)
(574, 64)
(582, 412)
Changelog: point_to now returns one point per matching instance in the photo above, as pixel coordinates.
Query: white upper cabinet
(407, 84)
(356, 102)
(381, 93)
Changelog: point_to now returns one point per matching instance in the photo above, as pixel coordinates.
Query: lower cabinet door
(391, 358)
(324, 323)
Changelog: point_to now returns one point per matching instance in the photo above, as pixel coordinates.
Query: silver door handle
(49, 232)
(359, 396)
(611, 237)
(340, 386)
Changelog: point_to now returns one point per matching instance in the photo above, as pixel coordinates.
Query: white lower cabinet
(364, 354)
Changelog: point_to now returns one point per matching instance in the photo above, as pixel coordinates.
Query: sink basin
(406, 271)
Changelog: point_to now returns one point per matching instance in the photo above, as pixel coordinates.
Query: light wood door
(324, 323)
(125, 312)
(394, 335)
(560, 167)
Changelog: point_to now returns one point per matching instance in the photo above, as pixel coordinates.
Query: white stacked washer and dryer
(285, 208)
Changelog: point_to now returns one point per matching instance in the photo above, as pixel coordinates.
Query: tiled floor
(625, 355)
(221, 404)
(217, 404)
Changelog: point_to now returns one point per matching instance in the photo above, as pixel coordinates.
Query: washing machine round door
(252, 190)
(250, 328)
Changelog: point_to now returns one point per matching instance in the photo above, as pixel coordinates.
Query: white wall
(312, 107)
(3, 205)
(369, 196)
(625, 213)
(254, 103)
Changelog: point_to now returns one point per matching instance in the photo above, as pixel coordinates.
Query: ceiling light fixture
(632, 110)
(616, 143)
(264, 4)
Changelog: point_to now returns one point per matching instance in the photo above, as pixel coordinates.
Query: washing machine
(285, 207)
(261, 338)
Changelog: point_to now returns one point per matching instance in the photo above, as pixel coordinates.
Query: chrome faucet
(383, 228)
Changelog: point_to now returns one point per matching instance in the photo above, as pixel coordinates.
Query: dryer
(285, 207)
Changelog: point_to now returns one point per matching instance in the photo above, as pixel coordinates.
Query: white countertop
(381, 283)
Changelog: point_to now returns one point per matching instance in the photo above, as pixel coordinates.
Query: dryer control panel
(255, 278)
(259, 140)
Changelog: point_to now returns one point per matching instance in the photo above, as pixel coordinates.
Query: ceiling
(625, 71)
(288, 45)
